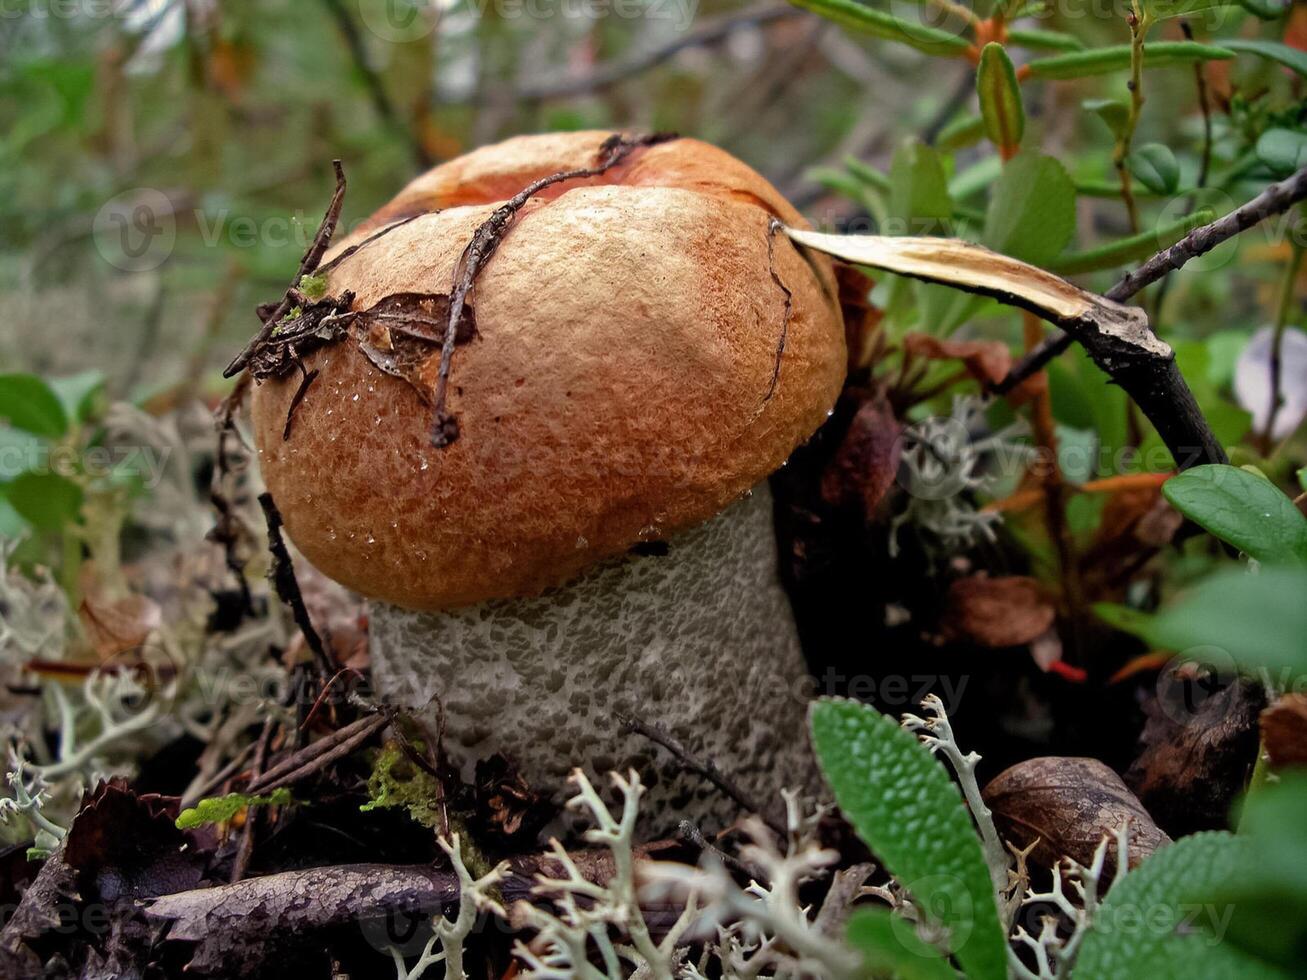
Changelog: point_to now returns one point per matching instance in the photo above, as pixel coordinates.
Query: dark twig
(246, 848)
(689, 832)
(308, 265)
(486, 239)
(772, 230)
(287, 586)
(316, 756)
(702, 767)
(1276, 199)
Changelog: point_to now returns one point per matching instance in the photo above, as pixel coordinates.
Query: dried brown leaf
(867, 460)
(1069, 805)
(998, 612)
(988, 361)
(1284, 731)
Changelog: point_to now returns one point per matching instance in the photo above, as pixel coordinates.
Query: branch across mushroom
(638, 353)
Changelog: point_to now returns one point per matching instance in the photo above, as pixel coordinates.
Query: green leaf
(903, 804)
(1000, 98)
(1284, 151)
(1130, 249)
(1044, 40)
(1137, 921)
(1101, 61)
(1155, 166)
(868, 20)
(28, 403)
(81, 394)
(1290, 58)
(1268, 901)
(961, 132)
(919, 201)
(1114, 112)
(889, 944)
(1243, 509)
(1255, 620)
(47, 501)
(1032, 209)
(220, 809)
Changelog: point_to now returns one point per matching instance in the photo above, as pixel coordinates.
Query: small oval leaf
(1000, 98)
(1101, 61)
(1156, 168)
(28, 403)
(1243, 509)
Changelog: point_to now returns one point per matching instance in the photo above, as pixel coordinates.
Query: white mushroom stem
(700, 640)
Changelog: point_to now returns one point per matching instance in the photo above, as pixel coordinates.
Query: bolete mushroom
(592, 538)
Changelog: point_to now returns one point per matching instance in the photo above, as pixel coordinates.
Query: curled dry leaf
(988, 361)
(1069, 805)
(998, 612)
(867, 460)
(1284, 731)
(119, 625)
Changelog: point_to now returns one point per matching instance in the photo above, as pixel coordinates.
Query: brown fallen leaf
(1069, 805)
(988, 361)
(999, 612)
(1197, 748)
(867, 460)
(1284, 731)
(116, 626)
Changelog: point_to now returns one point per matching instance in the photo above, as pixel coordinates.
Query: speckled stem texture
(700, 640)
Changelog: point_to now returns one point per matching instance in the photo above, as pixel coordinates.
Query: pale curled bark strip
(1117, 337)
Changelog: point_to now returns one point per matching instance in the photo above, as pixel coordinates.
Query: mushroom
(642, 350)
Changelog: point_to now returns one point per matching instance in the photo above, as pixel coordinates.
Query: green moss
(395, 781)
(220, 809)
(314, 287)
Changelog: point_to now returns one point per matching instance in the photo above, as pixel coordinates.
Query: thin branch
(286, 585)
(702, 767)
(1276, 199)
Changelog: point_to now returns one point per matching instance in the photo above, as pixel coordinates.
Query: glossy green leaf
(28, 403)
(1036, 39)
(869, 20)
(1032, 209)
(902, 803)
(47, 501)
(1255, 620)
(1131, 249)
(1156, 167)
(1101, 61)
(889, 945)
(1284, 151)
(1000, 98)
(1137, 922)
(1243, 509)
(1282, 54)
